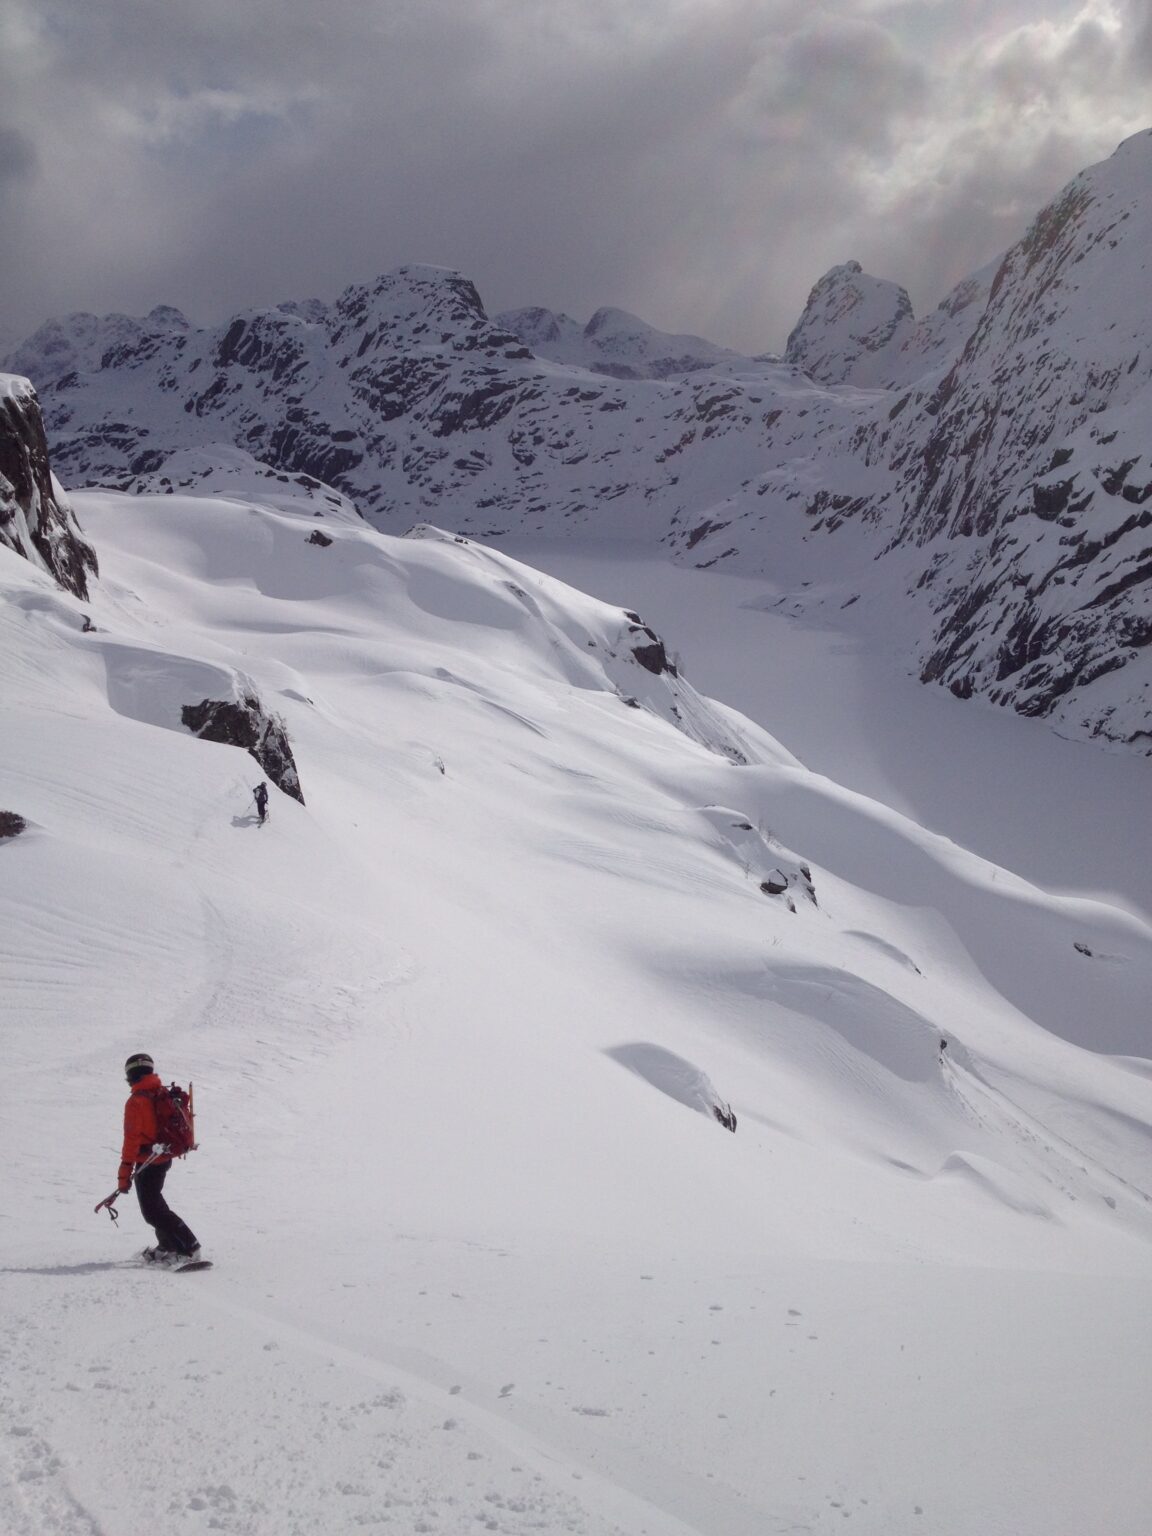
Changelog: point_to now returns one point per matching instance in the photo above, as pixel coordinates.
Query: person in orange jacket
(173, 1239)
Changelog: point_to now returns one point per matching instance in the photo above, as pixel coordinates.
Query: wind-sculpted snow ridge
(596, 646)
(469, 1032)
(220, 470)
(992, 456)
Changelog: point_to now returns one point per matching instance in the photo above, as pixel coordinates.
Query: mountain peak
(610, 319)
(614, 342)
(420, 305)
(851, 322)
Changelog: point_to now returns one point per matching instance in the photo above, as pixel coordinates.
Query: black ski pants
(171, 1233)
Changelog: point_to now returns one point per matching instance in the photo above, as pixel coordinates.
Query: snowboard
(175, 1269)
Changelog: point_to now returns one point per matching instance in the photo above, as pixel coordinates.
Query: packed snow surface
(459, 1028)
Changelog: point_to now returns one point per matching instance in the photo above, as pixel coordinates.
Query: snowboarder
(173, 1239)
(260, 795)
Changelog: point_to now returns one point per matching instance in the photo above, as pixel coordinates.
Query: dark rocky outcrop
(35, 517)
(245, 723)
(322, 539)
(11, 825)
(653, 655)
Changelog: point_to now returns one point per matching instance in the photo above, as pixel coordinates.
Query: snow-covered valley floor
(833, 684)
(485, 1260)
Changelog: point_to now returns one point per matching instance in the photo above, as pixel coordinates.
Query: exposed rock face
(649, 649)
(245, 723)
(1026, 474)
(35, 517)
(1010, 483)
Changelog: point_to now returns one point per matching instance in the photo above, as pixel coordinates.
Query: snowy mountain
(470, 1026)
(849, 323)
(991, 458)
(1007, 489)
(614, 343)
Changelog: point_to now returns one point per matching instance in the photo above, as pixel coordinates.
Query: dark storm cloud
(698, 161)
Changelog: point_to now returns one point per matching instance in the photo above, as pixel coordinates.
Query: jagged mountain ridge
(995, 452)
(614, 343)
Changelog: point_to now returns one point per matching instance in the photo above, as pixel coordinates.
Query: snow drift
(470, 1273)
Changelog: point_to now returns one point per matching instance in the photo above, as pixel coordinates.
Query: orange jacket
(139, 1130)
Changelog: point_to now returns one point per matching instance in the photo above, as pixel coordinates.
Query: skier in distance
(260, 795)
(173, 1239)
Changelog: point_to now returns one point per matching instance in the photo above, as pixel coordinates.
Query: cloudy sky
(700, 162)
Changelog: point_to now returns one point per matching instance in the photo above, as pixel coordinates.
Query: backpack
(175, 1120)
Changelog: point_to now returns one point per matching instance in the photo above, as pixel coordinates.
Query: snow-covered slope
(463, 1029)
(993, 456)
(614, 343)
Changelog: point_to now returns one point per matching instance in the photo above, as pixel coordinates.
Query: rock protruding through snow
(245, 723)
(36, 519)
